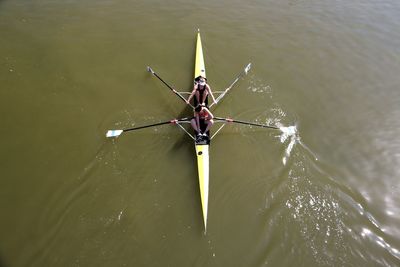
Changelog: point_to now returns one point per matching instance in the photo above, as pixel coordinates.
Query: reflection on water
(320, 210)
(319, 206)
(366, 233)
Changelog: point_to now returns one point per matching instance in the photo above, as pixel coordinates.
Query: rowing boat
(202, 145)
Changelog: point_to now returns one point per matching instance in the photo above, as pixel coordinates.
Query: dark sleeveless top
(199, 88)
(201, 92)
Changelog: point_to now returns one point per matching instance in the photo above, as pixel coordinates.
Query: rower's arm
(196, 115)
(209, 113)
(191, 95)
(212, 96)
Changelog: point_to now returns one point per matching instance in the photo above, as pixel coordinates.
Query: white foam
(288, 133)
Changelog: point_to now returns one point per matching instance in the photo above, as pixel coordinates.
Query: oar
(116, 133)
(244, 72)
(170, 87)
(247, 123)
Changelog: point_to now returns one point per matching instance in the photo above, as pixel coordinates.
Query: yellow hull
(202, 148)
(203, 170)
(199, 67)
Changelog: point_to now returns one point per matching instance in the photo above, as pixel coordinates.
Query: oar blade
(114, 133)
(242, 74)
(150, 70)
(247, 69)
(289, 131)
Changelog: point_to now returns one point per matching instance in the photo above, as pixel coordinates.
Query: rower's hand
(187, 102)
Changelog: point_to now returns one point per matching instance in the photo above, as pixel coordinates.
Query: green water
(71, 70)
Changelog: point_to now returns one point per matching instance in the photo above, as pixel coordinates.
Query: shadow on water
(186, 112)
(185, 140)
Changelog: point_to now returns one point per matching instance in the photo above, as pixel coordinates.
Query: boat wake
(312, 202)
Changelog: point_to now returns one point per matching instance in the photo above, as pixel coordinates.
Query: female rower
(202, 114)
(201, 90)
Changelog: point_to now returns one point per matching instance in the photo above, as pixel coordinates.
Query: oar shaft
(241, 74)
(116, 133)
(246, 123)
(147, 126)
(156, 124)
(166, 84)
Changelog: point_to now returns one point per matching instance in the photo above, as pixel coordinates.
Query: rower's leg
(194, 125)
(209, 124)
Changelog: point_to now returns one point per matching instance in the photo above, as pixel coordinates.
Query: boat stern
(203, 172)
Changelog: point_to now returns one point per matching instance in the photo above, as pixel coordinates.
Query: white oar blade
(150, 70)
(290, 130)
(246, 70)
(114, 133)
(288, 133)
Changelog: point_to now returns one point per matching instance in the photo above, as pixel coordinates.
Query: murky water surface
(71, 70)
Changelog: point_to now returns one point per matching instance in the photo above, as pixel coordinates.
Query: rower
(201, 90)
(202, 114)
